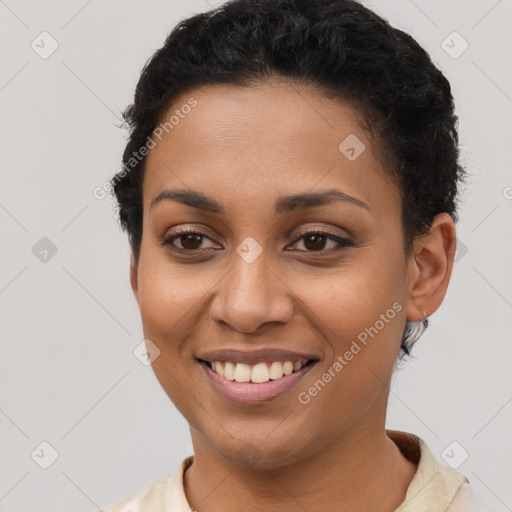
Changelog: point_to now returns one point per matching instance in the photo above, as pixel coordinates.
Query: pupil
(188, 238)
(318, 241)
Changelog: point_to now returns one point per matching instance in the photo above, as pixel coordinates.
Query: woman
(289, 190)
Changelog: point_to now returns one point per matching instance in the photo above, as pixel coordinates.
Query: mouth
(252, 378)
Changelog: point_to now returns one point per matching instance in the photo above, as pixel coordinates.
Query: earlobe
(134, 278)
(430, 268)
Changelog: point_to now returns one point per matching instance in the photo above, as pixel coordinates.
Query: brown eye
(316, 241)
(189, 240)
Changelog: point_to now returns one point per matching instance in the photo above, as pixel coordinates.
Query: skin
(245, 147)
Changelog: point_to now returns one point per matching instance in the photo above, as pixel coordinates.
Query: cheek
(360, 313)
(361, 327)
(170, 298)
(169, 295)
(344, 303)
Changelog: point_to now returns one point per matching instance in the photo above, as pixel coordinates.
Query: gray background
(69, 324)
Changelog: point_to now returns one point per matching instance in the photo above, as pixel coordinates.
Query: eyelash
(342, 242)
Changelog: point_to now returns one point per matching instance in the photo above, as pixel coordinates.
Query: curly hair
(338, 47)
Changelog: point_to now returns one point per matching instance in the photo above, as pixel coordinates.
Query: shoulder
(149, 499)
(467, 501)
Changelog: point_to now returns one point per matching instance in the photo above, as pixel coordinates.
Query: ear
(430, 268)
(134, 279)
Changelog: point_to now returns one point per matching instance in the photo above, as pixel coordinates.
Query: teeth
(218, 368)
(287, 367)
(229, 370)
(276, 370)
(242, 372)
(258, 373)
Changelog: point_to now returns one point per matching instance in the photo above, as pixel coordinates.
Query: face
(296, 255)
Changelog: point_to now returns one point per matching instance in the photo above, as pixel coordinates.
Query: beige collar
(434, 485)
(432, 489)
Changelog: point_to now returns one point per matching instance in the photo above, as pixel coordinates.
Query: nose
(251, 295)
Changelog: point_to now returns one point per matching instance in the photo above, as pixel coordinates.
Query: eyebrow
(286, 204)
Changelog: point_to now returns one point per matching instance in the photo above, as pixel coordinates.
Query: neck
(361, 470)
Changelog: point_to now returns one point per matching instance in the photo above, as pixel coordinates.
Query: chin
(258, 451)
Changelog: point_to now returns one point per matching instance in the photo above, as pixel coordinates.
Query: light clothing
(434, 488)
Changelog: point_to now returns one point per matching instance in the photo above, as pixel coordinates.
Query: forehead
(273, 136)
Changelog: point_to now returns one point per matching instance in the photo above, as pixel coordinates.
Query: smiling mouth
(258, 373)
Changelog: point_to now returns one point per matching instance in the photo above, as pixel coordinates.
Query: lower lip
(248, 393)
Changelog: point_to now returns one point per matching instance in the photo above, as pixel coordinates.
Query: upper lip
(255, 356)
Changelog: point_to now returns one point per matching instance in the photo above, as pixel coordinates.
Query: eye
(189, 239)
(315, 240)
